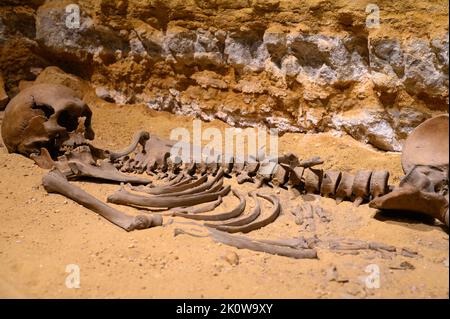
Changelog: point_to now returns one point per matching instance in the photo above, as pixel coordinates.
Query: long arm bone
(55, 182)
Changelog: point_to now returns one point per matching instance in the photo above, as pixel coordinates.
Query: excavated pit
(333, 88)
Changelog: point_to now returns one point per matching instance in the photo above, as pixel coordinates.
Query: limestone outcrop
(305, 66)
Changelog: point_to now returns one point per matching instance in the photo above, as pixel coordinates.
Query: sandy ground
(41, 234)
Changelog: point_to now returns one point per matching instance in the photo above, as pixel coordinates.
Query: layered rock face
(302, 66)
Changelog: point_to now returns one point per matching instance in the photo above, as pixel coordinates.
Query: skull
(46, 116)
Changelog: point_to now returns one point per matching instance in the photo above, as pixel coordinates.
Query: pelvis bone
(425, 161)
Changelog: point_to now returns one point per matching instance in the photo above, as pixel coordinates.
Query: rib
(223, 216)
(291, 242)
(198, 210)
(200, 188)
(243, 242)
(55, 182)
(165, 189)
(242, 220)
(125, 198)
(258, 223)
(355, 244)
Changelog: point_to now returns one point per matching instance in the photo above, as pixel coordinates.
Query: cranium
(45, 116)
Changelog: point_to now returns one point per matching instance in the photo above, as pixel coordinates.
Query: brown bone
(344, 189)
(237, 211)
(125, 198)
(197, 209)
(379, 183)
(287, 248)
(199, 188)
(140, 137)
(182, 186)
(44, 115)
(360, 187)
(330, 182)
(256, 211)
(427, 144)
(56, 182)
(280, 175)
(313, 179)
(105, 171)
(307, 212)
(316, 160)
(243, 242)
(410, 198)
(257, 224)
(297, 212)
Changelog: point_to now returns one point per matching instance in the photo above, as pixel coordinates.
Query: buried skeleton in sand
(52, 125)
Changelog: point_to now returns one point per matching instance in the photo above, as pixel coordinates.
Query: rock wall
(302, 66)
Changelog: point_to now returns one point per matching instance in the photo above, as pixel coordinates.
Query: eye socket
(69, 120)
(46, 109)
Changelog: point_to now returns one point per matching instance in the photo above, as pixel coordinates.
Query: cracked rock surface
(311, 66)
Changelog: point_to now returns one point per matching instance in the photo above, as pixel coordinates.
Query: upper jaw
(75, 140)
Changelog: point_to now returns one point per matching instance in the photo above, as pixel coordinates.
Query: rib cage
(286, 171)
